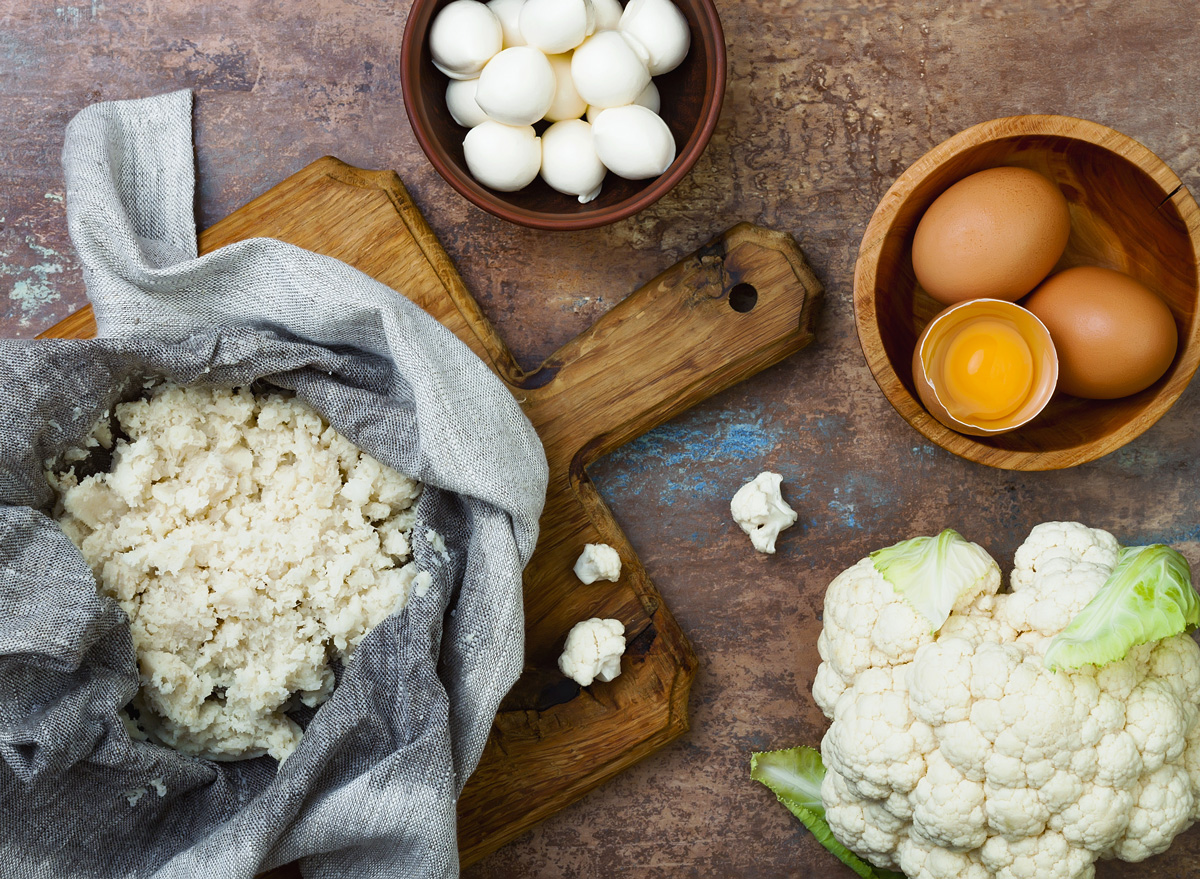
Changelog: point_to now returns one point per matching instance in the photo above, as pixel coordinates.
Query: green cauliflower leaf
(794, 776)
(1148, 597)
(935, 573)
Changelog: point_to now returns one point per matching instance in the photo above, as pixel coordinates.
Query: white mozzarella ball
(633, 142)
(569, 160)
(608, 14)
(460, 99)
(649, 98)
(509, 13)
(556, 26)
(517, 86)
(463, 37)
(567, 104)
(660, 28)
(607, 71)
(503, 157)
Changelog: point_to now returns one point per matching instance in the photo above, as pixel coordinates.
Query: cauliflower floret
(868, 624)
(1046, 856)
(1157, 723)
(948, 808)
(593, 651)
(1162, 809)
(598, 561)
(1058, 569)
(921, 859)
(1191, 762)
(828, 686)
(865, 825)
(761, 511)
(1096, 818)
(875, 743)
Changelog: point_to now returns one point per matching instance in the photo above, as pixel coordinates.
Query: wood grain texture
(665, 348)
(827, 104)
(1129, 212)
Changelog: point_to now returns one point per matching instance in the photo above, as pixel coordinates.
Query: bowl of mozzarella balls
(563, 114)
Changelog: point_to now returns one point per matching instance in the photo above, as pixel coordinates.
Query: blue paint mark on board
(691, 457)
(858, 495)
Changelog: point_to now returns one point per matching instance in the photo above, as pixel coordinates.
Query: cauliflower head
(956, 749)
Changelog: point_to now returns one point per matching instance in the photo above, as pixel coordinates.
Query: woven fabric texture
(371, 790)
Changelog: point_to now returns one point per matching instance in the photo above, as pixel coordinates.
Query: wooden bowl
(1129, 212)
(691, 102)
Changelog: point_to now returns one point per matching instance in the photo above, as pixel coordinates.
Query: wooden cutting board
(737, 305)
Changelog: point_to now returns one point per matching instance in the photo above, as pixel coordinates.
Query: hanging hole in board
(743, 298)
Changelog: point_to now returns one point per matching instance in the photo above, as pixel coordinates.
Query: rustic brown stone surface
(827, 103)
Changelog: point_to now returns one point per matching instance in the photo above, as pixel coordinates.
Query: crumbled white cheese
(250, 544)
(159, 786)
(134, 794)
(437, 543)
(761, 511)
(135, 732)
(593, 651)
(598, 561)
(421, 584)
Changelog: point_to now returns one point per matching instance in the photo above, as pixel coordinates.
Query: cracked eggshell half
(566, 104)
(517, 86)
(460, 100)
(660, 29)
(608, 71)
(463, 37)
(633, 142)
(569, 161)
(556, 26)
(649, 98)
(503, 157)
(509, 13)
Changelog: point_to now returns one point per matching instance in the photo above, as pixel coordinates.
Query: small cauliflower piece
(593, 651)
(598, 561)
(761, 511)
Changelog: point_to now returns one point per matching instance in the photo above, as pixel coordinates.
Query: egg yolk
(987, 371)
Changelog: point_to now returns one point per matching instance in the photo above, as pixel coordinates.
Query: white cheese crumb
(134, 794)
(421, 584)
(250, 544)
(135, 732)
(761, 511)
(598, 561)
(593, 651)
(437, 543)
(159, 786)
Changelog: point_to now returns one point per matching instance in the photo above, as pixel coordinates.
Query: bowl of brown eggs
(1027, 294)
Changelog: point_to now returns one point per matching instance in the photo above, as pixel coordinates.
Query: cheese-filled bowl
(691, 97)
(1129, 212)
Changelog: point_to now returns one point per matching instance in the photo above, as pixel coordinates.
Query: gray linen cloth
(371, 790)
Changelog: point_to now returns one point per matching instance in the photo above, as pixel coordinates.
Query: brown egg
(1114, 336)
(993, 235)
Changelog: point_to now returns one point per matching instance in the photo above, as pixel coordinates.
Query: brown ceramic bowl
(691, 101)
(1129, 212)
